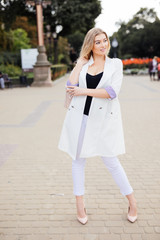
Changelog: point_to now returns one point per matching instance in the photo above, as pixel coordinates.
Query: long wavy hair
(88, 43)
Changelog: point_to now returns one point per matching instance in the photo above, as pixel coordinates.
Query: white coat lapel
(82, 79)
(84, 71)
(106, 73)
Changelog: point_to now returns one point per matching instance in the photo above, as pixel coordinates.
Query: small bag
(68, 99)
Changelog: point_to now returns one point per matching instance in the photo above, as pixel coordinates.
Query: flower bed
(137, 62)
(136, 65)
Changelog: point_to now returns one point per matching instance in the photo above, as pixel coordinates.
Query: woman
(93, 126)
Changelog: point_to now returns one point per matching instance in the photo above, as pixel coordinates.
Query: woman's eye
(97, 42)
(105, 40)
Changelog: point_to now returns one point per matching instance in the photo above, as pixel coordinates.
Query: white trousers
(2, 83)
(112, 163)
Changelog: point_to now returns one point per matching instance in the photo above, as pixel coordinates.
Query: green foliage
(72, 15)
(63, 50)
(136, 66)
(13, 8)
(76, 40)
(20, 39)
(139, 37)
(31, 29)
(14, 40)
(11, 70)
(10, 58)
(58, 70)
(75, 17)
(5, 40)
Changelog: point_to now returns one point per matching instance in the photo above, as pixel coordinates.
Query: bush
(11, 70)
(58, 70)
(138, 66)
(15, 72)
(10, 58)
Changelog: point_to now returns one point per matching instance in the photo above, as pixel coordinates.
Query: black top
(92, 82)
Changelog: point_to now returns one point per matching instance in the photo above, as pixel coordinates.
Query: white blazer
(104, 132)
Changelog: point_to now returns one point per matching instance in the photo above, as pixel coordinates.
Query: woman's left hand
(76, 91)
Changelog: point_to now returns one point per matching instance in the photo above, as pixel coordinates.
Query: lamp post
(48, 41)
(39, 14)
(55, 47)
(114, 45)
(42, 71)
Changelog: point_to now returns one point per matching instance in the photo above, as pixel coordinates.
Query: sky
(115, 10)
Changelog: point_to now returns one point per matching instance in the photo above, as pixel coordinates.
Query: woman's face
(100, 46)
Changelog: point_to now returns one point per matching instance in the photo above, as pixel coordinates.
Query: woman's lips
(103, 50)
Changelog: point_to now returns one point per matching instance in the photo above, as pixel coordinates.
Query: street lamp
(39, 14)
(58, 29)
(114, 45)
(48, 41)
(55, 47)
(42, 71)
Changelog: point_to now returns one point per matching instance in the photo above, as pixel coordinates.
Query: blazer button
(100, 108)
(72, 106)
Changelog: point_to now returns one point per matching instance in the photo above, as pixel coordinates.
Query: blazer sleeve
(117, 76)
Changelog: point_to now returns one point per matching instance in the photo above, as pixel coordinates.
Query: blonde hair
(88, 43)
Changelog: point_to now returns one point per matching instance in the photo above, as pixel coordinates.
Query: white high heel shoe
(83, 220)
(132, 219)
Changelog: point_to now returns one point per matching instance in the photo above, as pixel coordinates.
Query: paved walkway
(36, 198)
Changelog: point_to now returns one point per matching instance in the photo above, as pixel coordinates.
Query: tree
(63, 50)
(139, 37)
(22, 22)
(74, 16)
(20, 39)
(10, 9)
(68, 18)
(76, 40)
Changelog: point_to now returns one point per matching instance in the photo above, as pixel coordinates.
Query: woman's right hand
(74, 77)
(81, 61)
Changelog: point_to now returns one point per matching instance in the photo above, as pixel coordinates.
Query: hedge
(58, 70)
(14, 73)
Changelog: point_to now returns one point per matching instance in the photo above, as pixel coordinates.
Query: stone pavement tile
(136, 236)
(157, 210)
(91, 237)
(149, 230)
(118, 230)
(97, 223)
(157, 229)
(73, 237)
(142, 223)
(109, 237)
(116, 217)
(133, 229)
(146, 216)
(157, 217)
(154, 223)
(8, 224)
(8, 237)
(33, 237)
(125, 236)
(114, 223)
(98, 217)
(151, 236)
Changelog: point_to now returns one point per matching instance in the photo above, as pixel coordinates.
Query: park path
(36, 196)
